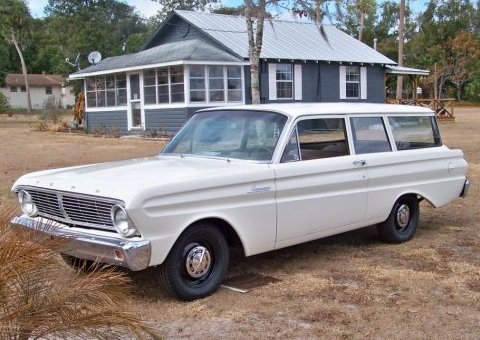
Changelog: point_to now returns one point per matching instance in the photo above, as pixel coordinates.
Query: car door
(321, 187)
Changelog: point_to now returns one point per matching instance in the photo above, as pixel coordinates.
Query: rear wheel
(197, 263)
(402, 222)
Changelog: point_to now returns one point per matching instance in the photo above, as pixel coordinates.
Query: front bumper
(131, 254)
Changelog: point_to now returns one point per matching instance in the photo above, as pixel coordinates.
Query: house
(196, 60)
(45, 89)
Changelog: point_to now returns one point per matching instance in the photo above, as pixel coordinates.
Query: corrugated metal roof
(192, 50)
(296, 40)
(14, 79)
(399, 70)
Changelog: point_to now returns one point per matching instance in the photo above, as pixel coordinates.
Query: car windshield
(248, 135)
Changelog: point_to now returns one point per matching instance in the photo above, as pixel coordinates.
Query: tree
(462, 62)
(14, 25)
(81, 26)
(255, 41)
(255, 15)
(401, 25)
(188, 5)
(359, 14)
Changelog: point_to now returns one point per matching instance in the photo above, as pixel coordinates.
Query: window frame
(297, 82)
(103, 86)
(362, 82)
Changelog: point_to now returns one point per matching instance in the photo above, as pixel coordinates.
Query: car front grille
(73, 209)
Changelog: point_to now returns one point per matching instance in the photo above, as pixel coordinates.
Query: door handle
(360, 163)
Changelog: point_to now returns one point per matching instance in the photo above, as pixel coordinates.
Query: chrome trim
(136, 253)
(466, 186)
(73, 208)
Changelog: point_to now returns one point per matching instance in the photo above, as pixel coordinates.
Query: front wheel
(197, 263)
(402, 222)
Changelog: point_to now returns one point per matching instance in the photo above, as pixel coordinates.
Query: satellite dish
(94, 57)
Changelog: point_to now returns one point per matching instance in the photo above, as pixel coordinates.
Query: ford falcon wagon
(256, 177)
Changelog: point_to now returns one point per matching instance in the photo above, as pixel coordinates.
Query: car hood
(124, 179)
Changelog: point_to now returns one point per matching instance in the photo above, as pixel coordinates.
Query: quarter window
(414, 132)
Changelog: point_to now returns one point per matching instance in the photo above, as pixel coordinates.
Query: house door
(136, 116)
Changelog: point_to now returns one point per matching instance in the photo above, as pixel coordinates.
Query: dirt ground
(346, 286)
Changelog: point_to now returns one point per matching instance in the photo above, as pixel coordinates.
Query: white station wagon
(258, 177)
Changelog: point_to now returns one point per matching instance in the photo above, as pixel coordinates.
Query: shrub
(79, 109)
(36, 302)
(3, 103)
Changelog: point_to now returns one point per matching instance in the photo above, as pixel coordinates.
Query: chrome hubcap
(198, 262)
(403, 216)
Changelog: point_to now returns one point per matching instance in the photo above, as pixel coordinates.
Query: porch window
(285, 81)
(353, 82)
(215, 84)
(106, 91)
(164, 85)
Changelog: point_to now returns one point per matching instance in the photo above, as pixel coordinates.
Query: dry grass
(346, 286)
(35, 302)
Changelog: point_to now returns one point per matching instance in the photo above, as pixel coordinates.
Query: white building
(44, 88)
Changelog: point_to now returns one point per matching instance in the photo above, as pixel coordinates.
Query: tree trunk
(362, 25)
(24, 71)
(401, 26)
(255, 41)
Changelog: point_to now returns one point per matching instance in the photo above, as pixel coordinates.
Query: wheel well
(227, 230)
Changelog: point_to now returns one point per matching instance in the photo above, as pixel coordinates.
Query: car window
(414, 132)
(315, 139)
(249, 135)
(369, 135)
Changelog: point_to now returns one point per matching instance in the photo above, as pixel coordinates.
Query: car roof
(302, 109)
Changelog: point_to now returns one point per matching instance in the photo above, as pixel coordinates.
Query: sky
(149, 8)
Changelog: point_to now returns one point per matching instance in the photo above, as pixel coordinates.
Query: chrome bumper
(131, 254)
(466, 186)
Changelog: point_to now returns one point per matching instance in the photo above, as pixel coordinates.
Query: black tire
(205, 247)
(83, 265)
(402, 222)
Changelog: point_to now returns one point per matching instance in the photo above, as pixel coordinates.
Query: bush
(3, 103)
(36, 302)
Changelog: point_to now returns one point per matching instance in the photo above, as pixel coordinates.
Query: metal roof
(188, 50)
(13, 79)
(400, 70)
(287, 40)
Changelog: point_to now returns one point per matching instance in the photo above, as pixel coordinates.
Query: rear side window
(415, 132)
(316, 139)
(369, 135)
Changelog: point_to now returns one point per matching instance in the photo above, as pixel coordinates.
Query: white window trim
(297, 82)
(362, 85)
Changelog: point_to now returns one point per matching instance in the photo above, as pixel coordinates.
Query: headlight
(26, 204)
(121, 223)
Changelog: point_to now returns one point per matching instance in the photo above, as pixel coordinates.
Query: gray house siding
(376, 84)
(107, 121)
(166, 120)
(321, 83)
